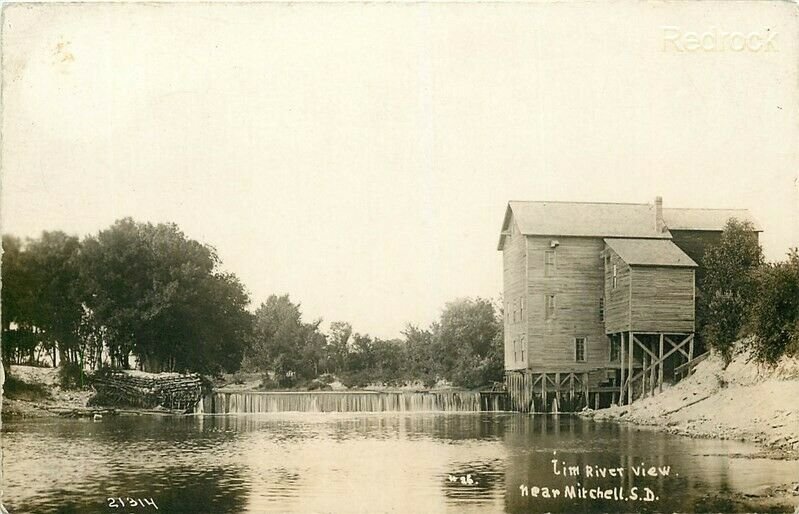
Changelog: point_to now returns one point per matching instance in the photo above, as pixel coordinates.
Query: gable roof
(586, 219)
(613, 220)
(650, 252)
(705, 219)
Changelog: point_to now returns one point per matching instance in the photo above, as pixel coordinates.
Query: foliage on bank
(744, 296)
(464, 346)
(148, 291)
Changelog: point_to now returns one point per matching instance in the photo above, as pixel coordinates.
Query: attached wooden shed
(649, 287)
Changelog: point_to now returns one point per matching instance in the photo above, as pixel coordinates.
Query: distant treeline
(742, 296)
(147, 291)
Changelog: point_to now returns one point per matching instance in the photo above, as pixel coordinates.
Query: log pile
(173, 391)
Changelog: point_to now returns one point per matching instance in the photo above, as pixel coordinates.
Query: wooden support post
(544, 392)
(571, 391)
(690, 353)
(660, 366)
(596, 401)
(652, 377)
(623, 371)
(557, 388)
(585, 388)
(630, 355)
(644, 373)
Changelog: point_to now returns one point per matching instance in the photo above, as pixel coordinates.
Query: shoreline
(742, 401)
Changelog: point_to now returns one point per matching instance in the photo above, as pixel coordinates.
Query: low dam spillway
(220, 402)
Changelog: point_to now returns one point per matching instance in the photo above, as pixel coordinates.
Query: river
(372, 462)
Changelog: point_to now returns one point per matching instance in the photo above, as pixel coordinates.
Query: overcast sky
(360, 156)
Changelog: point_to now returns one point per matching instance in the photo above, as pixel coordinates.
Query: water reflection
(367, 462)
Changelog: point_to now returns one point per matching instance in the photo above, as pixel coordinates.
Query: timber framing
(599, 299)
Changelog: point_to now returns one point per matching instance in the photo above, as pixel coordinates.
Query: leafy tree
(774, 315)
(17, 301)
(338, 341)
(56, 293)
(283, 343)
(729, 286)
(467, 343)
(421, 359)
(159, 295)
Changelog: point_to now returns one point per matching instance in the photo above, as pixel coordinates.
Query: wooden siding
(662, 299)
(577, 283)
(617, 300)
(513, 258)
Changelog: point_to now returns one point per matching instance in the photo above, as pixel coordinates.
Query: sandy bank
(743, 401)
(38, 394)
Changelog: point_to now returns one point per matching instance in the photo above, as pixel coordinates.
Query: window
(521, 309)
(549, 263)
(514, 312)
(515, 357)
(615, 350)
(579, 349)
(550, 308)
(601, 308)
(615, 276)
(521, 344)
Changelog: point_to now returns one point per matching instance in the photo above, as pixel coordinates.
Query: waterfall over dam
(253, 402)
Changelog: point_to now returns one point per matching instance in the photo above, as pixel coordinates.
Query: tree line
(146, 294)
(743, 297)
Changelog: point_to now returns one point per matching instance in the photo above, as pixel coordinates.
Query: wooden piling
(621, 384)
(660, 366)
(630, 355)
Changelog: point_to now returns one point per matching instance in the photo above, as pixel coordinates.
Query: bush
(71, 376)
(774, 312)
(318, 385)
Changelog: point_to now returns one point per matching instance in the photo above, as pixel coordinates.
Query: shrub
(774, 312)
(71, 376)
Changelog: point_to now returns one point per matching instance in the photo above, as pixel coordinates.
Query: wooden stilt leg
(585, 388)
(622, 369)
(544, 392)
(630, 355)
(660, 366)
(571, 392)
(557, 390)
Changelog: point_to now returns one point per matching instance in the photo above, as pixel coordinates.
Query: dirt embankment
(31, 391)
(742, 401)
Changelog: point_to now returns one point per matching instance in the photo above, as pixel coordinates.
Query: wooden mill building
(599, 298)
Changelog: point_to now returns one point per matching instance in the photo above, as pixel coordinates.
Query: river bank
(35, 392)
(742, 401)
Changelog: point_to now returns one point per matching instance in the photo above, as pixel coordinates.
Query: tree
(338, 346)
(283, 343)
(17, 301)
(467, 342)
(159, 295)
(774, 314)
(57, 291)
(729, 285)
(421, 361)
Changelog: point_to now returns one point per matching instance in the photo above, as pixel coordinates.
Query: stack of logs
(147, 390)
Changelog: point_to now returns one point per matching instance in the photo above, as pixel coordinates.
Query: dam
(256, 402)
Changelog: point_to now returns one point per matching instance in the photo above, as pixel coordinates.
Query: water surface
(368, 462)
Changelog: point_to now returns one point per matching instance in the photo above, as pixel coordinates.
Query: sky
(359, 156)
